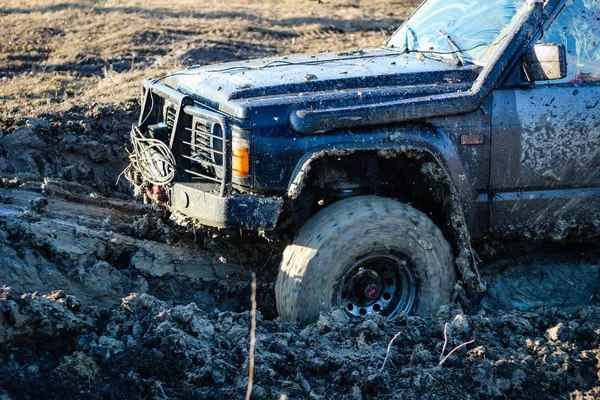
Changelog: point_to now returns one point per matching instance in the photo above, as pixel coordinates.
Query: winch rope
(152, 158)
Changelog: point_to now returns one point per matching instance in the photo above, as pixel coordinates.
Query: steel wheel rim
(379, 283)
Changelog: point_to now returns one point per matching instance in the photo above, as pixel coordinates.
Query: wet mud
(103, 297)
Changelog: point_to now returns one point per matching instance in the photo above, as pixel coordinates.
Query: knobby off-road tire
(359, 240)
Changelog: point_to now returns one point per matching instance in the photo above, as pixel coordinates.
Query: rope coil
(151, 158)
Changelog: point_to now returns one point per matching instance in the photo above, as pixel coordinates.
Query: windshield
(467, 29)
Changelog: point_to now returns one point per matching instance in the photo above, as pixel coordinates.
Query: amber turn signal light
(240, 154)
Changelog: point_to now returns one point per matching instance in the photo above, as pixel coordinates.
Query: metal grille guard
(185, 107)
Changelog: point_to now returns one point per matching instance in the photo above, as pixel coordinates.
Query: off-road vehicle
(475, 118)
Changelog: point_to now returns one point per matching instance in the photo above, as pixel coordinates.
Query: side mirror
(544, 62)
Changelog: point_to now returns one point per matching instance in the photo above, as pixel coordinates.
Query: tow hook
(156, 194)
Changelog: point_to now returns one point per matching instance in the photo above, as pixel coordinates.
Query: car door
(545, 162)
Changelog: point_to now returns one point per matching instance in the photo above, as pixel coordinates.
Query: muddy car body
(470, 136)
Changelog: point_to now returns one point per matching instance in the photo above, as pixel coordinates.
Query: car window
(578, 28)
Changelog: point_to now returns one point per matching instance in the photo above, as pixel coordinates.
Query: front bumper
(246, 211)
(198, 183)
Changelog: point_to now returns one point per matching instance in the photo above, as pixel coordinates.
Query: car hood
(336, 79)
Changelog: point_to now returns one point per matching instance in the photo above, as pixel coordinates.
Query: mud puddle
(565, 278)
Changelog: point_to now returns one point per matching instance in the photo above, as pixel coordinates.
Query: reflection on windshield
(473, 25)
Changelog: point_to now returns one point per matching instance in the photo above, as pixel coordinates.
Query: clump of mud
(26, 315)
(147, 347)
(83, 146)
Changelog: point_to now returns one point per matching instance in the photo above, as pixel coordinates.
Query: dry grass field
(58, 54)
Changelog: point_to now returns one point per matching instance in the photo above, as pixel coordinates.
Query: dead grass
(55, 54)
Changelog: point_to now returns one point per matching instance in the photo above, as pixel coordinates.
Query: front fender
(387, 142)
(444, 166)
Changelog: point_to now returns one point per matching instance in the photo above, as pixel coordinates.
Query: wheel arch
(438, 161)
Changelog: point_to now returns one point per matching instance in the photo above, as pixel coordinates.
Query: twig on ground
(164, 396)
(19, 370)
(445, 341)
(387, 354)
(270, 255)
(444, 358)
(252, 338)
(456, 348)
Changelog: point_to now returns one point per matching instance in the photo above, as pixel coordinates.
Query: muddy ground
(102, 297)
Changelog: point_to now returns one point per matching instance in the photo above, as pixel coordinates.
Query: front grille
(205, 149)
(170, 115)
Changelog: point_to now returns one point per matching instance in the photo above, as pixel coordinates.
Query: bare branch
(445, 341)
(387, 354)
(456, 348)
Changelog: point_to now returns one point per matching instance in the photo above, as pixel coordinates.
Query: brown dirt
(101, 297)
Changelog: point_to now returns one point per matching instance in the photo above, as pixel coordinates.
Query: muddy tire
(367, 254)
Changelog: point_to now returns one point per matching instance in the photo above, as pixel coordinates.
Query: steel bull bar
(213, 202)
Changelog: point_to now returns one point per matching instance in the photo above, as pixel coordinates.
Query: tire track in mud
(565, 277)
(100, 250)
